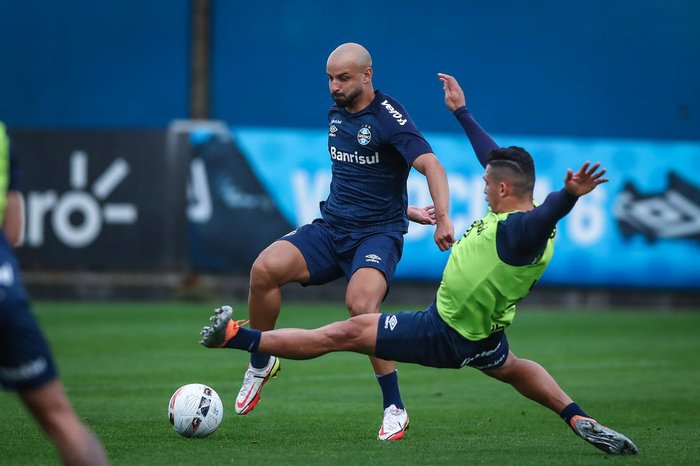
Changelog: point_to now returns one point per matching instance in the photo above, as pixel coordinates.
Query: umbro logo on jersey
(332, 130)
(390, 322)
(373, 258)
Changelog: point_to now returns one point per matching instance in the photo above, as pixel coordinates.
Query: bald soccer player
(372, 143)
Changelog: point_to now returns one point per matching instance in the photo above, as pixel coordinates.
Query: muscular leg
(532, 381)
(278, 264)
(357, 334)
(364, 294)
(52, 410)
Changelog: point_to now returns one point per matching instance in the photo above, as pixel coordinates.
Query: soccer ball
(195, 410)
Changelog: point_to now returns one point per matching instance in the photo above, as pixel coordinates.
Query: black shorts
(424, 338)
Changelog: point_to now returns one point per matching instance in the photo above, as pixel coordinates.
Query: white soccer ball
(195, 410)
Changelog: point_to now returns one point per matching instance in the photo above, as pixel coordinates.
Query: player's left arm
(429, 165)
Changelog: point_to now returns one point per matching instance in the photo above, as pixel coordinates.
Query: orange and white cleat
(222, 328)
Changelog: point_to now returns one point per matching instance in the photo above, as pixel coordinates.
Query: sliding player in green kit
(492, 267)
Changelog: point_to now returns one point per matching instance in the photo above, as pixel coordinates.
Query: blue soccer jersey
(372, 152)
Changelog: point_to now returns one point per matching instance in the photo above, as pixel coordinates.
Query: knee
(359, 304)
(263, 273)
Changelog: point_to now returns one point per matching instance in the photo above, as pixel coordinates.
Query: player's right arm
(457, 103)
(434, 173)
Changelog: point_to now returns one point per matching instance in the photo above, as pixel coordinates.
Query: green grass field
(636, 372)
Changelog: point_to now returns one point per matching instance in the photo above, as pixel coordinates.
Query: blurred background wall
(600, 68)
(616, 79)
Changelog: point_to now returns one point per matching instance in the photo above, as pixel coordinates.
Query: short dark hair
(515, 164)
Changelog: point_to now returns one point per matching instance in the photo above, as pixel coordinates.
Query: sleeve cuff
(460, 110)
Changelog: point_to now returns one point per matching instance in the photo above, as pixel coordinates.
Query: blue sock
(570, 411)
(246, 339)
(259, 360)
(389, 384)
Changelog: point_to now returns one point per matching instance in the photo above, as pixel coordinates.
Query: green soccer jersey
(478, 292)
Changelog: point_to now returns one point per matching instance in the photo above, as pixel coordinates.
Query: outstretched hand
(423, 215)
(585, 179)
(454, 96)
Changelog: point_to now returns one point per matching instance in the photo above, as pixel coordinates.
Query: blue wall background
(613, 80)
(599, 68)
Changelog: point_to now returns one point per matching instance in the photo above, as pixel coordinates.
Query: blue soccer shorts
(424, 338)
(331, 253)
(25, 359)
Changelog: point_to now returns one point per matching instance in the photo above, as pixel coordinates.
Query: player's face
(491, 190)
(345, 82)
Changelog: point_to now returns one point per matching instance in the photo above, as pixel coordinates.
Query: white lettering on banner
(586, 221)
(82, 234)
(395, 113)
(308, 190)
(199, 208)
(77, 201)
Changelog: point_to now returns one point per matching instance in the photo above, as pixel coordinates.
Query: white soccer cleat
(253, 382)
(602, 437)
(394, 425)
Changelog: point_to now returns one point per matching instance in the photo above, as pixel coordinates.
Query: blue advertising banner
(642, 229)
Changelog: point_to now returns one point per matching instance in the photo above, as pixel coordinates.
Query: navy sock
(570, 411)
(259, 360)
(389, 384)
(246, 339)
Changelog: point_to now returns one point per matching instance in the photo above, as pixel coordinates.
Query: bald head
(352, 54)
(349, 70)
